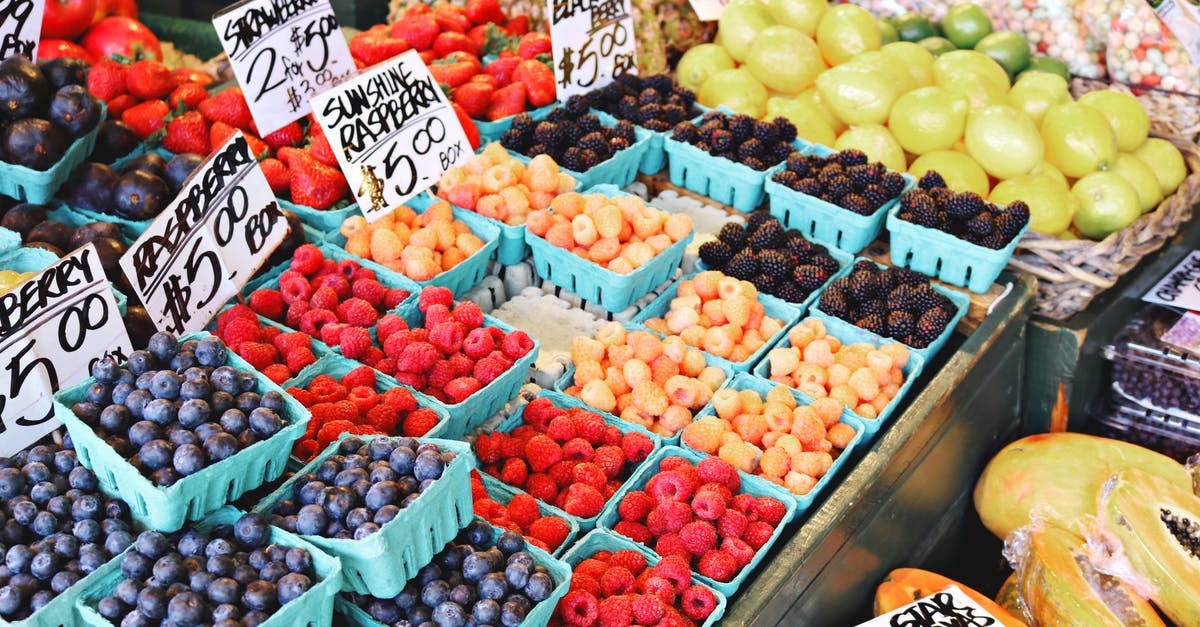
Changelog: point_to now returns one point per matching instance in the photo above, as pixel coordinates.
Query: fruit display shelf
(620, 169)
(39, 186)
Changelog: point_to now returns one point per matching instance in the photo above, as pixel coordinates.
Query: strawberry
(473, 59)
(187, 133)
(290, 135)
(427, 56)
(452, 18)
(149, 80)
(188, 75)
(190, 94)
(228, 106)
(218, 134)
(448, 42)
(452, 74)
(372, 48)
(118, 105)
(533, 44)
(468, 125)
(486, 79)
(502, 69)
(106, 80)
(276, 173)
(258, 147)
(474, 97)
(315, 184)
(419, 31)
(319, 147)
(517, 25)
(506, 101)
(285, 154)
(415, 9)
(483, 11)
(146, 117)
(539, 81)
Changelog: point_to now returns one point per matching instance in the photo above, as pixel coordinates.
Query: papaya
(905, 585)
(1058, 585)
(1148, 532)
(1009, 598)
(1059, 475)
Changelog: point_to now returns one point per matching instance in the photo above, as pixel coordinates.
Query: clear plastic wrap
(1140, 49)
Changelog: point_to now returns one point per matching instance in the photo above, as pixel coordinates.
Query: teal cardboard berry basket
(538, 616)
(386, 277)
(491, 130)
(503, 494)
(725, 181)
(842, 258)
(750, 485)
(39, 186)
(62, 610)
(323, 220)
(9, 240)
(383, 562)
(313, 609)
(594, 283)
(166, 509)
(605, 540)
(621, 169)
(654, 159)
(850, 334)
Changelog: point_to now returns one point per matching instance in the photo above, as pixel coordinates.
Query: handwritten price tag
(284, 52)
(53, 327)
(1180, 288)
(708, 10)
(593, 41)
(948, 608)
(200, 251)
(393, 132)
(20, 27)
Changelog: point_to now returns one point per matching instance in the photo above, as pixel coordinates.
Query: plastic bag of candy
(1055, 29)
(1140, 49)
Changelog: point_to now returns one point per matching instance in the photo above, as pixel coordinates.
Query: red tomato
(123, 36)
(124, 8)
(67, 19)
(56, 48)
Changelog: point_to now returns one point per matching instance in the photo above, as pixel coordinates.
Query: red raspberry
(302, 396)
(499, 358)
(478, 344)
(383, 419)
(435, 294)
(306, 449)
(334, 281)
(647, 609)
(436, 314)
(561, 473)
(585, 582)
(758, 534)
(515, 472)
(298, 358)
(698, 602)
(330, 431)
(560, 429)
(720, 490)
(635, 506)
(394, 296)
(357, 312)
(657, 586)
(634, 561)
(633, 530)
(360, 376)
(616, 580)
(363, 397)
(487, 448)
(542, 453)
(732, 524)
(292, 339)
(386, 365)
(717, 470)
(258, 355)
(395, 344)
(670, 486)
(769, 510)
(267, 334)
(578, 450)
(636, 446)
(308, 259)
(718, 566)
(277, 373)
(354, 342)
(364, 273)
(539, 412)
(324, 298)
(616, 611)
(583, 501)
(744, 503)
(588, 425)
(675, 515)
(440, 375)
(579, 608)
(412, 380)
(418, 423)
(550, 529)
(348, 268)
(463, 365)
(417, 358)
(369, 290)
(708, 505)
(331, 333)
(461, 388)
(468, 314)
(327, 389)
(675, 570)
(233, 313)
(739, 549)
(516, 345)
(589, 474)
(699, 537)
(541, 487)
(341, 410)
(511, 447)
(613, 436)
(389, 324)
(240, 330)
(400, 399)
(288, 275)
(295, 312)
(446, 337)
(523, 510)
(488, 370)
(670, 544)
(295, 290)
(268, 303)
(312, 321)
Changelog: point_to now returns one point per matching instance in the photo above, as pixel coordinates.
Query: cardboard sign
(948, 608)
(393, 132)
(709, 10)
(53, 327)
(20, 27)
(283, 52)
(203, 248)
(593, 41)
(1181, 287)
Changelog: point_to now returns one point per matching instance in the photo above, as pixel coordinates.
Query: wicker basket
(1072, 272)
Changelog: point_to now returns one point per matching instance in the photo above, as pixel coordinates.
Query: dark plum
(74, 110)
(34, 143)
(90, 187)
(138, 195)
(179, 168)
(23, 218)
(23, 89)
(115, 140)
(51, 232)
(65, 71)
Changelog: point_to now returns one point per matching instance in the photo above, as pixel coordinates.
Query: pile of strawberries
(695, 512)
(522, 514)
(144, 93)
(617, 589)
(278, 355)
(478, 28)
(333, 301)
(566, 457)
(354, 405)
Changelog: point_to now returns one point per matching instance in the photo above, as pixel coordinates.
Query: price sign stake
(284, 52)
(20, 27)
(393, 132)
(203, 248)
(593, 41)
(53, 327)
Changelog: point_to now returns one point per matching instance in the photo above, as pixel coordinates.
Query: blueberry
(36, 472)
(43, 492)
(12, 483)
(383, 473)
(160, 411)
(272, 572)
(429, 572)
(350, 445)
(86, 507)
(134, 565)
(152, 602)
(365, 530)
(224, 590)
(169, 569)
(435, 592)
(88, 412)
(141, 362)
(211, 352)
(111, 608)
(420, 615)
(463, 595)
(183, 437)
(106, 371)
(522, 557)
(449, 614)
(382, 494)
(226, 612)
(127, 591)
(194, 412)
(517, 575)
(252, 531)
(166, 384)
(510, 542)
(116, 508)
(136, 402)
(208, 430)
(380, 448)
(354, 461)
(312, 493)
(117, 542)
(385, 514)
(234, 421)
(276, 553)
(247, 401)
(348, 477)
(225, 379)
(152, 544)
(479, 534)
(100, 393)
(183, 360)
(512, 614)
(408, 500)
(486, 612)
(429, 465)
(189, 459)
(143, 431)
(261, 596)
(292, 586)
(254, 618)
(539, 587)
(409, 597)
(44, 524)
(384, 612)
(475, 567)
(273, 401)
(362, 487)
(311, 520)
(156, 454)
(220, 402)
(491, 586)
(200, 581)
(186, 608)
(219, 546)
(121, 391)
(19, 558)
(163, 346)
(115, 418)
(339, 501)
(357, 516)
(265, 422)
(88, 531)
(191, 544)
(40, 599)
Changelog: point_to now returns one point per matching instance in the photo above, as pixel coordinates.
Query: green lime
(1009, 49)
(888, 32)
(966, 24)
(913, 27)
(1050, 65)
(937, 45)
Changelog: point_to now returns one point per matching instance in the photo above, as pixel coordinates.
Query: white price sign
(393, 132)
(593, 41)
(20, 27)
(1181, 287)
(203, 248)
(948, 608)
(709, 10)
(283, 52)
(53, 327)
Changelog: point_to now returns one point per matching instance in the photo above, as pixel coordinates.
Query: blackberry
(723, 141)
(980, 226)
(659, 82)
(674, 113)
(715, 254)
(594, 142)
(809, 277)
(758, 218)
(727, 154)
(931, 180)
(548, 133)
(904, 276)
(995, 241)
(750, 148)
(812, 187)
(713, 116)
(964, 205)
(740, 125)
(874, 323)
(832, 168)
(876, 196)
(862, 286)
(557, 114)
(873, 307)
(833, 302)
(576, 106)
(753, 163)
(537, 149)
(617, 144)
(798, 163)
(524, 123)
(649, 96)
(849, 158)
(790, 292)
(707, 130)
(857, 204)
(779, 152)
(900, 324)
(786, 177)
(765, 132)
(589, 123)
(734, 235)
(925, 298)
(902, 297)
(892, 183)
(1019, 209)
(624, 130)
(923, 208)
(767, 235)
(703, 145)
(572, 159)
(627, 108)
(683, 93)
(764, 283)
(1009, 224)
(512, 139)
(838, 186)
(941, 195)
(571, 132)
(589, 159)
(827, 262)
(787, 130)
(887, 283)
(647, 113)
(930, 325)
(861, 176)
(906, 215)
(631, 81)
(742, 266)
(798, 246)
(775, 264)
